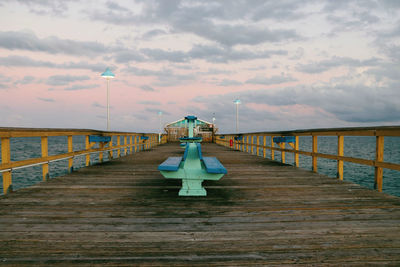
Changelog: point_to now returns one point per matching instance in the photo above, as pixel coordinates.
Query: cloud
(61, 80)
(153, 33)
(98, 105)
(209, 53)
(81, 87)
(271, 80)
(221, 54)
(231, 35)
(26, 80)
(12, 40)
(4, 78)
(23, 61)
(155, 111)
(325, 65)
(385, 71)
(54, 7)
(4, 81)
(165, 77)
(141, 72)
(159, 54)
(156, 103)
(227, 82)
(211, 20)
(345, 102)
(125, 56)
(147, 88)
(50, 100)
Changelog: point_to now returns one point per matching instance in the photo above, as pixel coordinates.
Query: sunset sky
(293, 64)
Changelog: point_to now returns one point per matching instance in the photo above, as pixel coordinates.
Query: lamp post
(213, 128)
(108, 75)
(237, 102)
(159, 133)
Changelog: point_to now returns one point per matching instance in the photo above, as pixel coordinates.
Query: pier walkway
(124, 213)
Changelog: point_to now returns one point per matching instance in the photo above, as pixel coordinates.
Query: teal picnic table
(192, 167)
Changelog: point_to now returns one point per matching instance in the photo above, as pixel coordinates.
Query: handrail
(378, 163)
(7, 166)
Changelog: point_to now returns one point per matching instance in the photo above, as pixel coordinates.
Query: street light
(108, 75)
(237, 102)
(159, 134)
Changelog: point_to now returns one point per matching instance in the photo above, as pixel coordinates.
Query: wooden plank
(6, 159)
(124, 213)
(314, 152)
(379, 158)
(340, 154)
(45, 153)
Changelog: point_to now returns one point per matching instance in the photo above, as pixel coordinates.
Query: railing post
(296, 155)
(314, 150)
(264, 145)
(135, 146)
(282, 145)
(6, 158)
(340, 154)
(126, 145)
(87, 146)
(130, 144)
(110, 146)
(45, 153)
(101, 146)
(70, 150)
(252, 145)
(379, 158)
(272, 149)
(258, 145)
(118, 144)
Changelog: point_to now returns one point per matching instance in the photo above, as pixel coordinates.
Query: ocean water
(30, 147)
(354, 146)
(359, 147)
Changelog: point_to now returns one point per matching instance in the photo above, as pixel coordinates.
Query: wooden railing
(133, 142)
(246, 140)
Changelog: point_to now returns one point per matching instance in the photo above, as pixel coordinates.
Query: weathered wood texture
(124, 213)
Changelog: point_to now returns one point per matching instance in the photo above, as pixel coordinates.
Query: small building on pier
(179, 128)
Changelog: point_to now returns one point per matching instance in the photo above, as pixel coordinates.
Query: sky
(293, 64)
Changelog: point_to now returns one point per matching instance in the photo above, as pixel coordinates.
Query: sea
(357, 147)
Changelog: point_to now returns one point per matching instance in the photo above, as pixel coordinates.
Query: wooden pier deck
(124, 213)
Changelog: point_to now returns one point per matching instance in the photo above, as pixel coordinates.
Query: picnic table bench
(192, 167)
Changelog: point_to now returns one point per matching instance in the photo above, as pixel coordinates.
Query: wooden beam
(314, 151)
(87, 147)
(118, 144)
(45, 153)
(272, 146)
(282, 145)
(6, 159)
(340, 154)
(296, 154)
(264, 144)
(70, 150)
(379, 158)
(126, 145)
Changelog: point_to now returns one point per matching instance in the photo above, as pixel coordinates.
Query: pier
(123, 212)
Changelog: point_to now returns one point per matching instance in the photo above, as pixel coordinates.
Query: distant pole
(108, 75)
(159, 133)
(213, 128)
(237, 102)
(108, 104)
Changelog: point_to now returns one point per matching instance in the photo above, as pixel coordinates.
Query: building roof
(182, 123)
